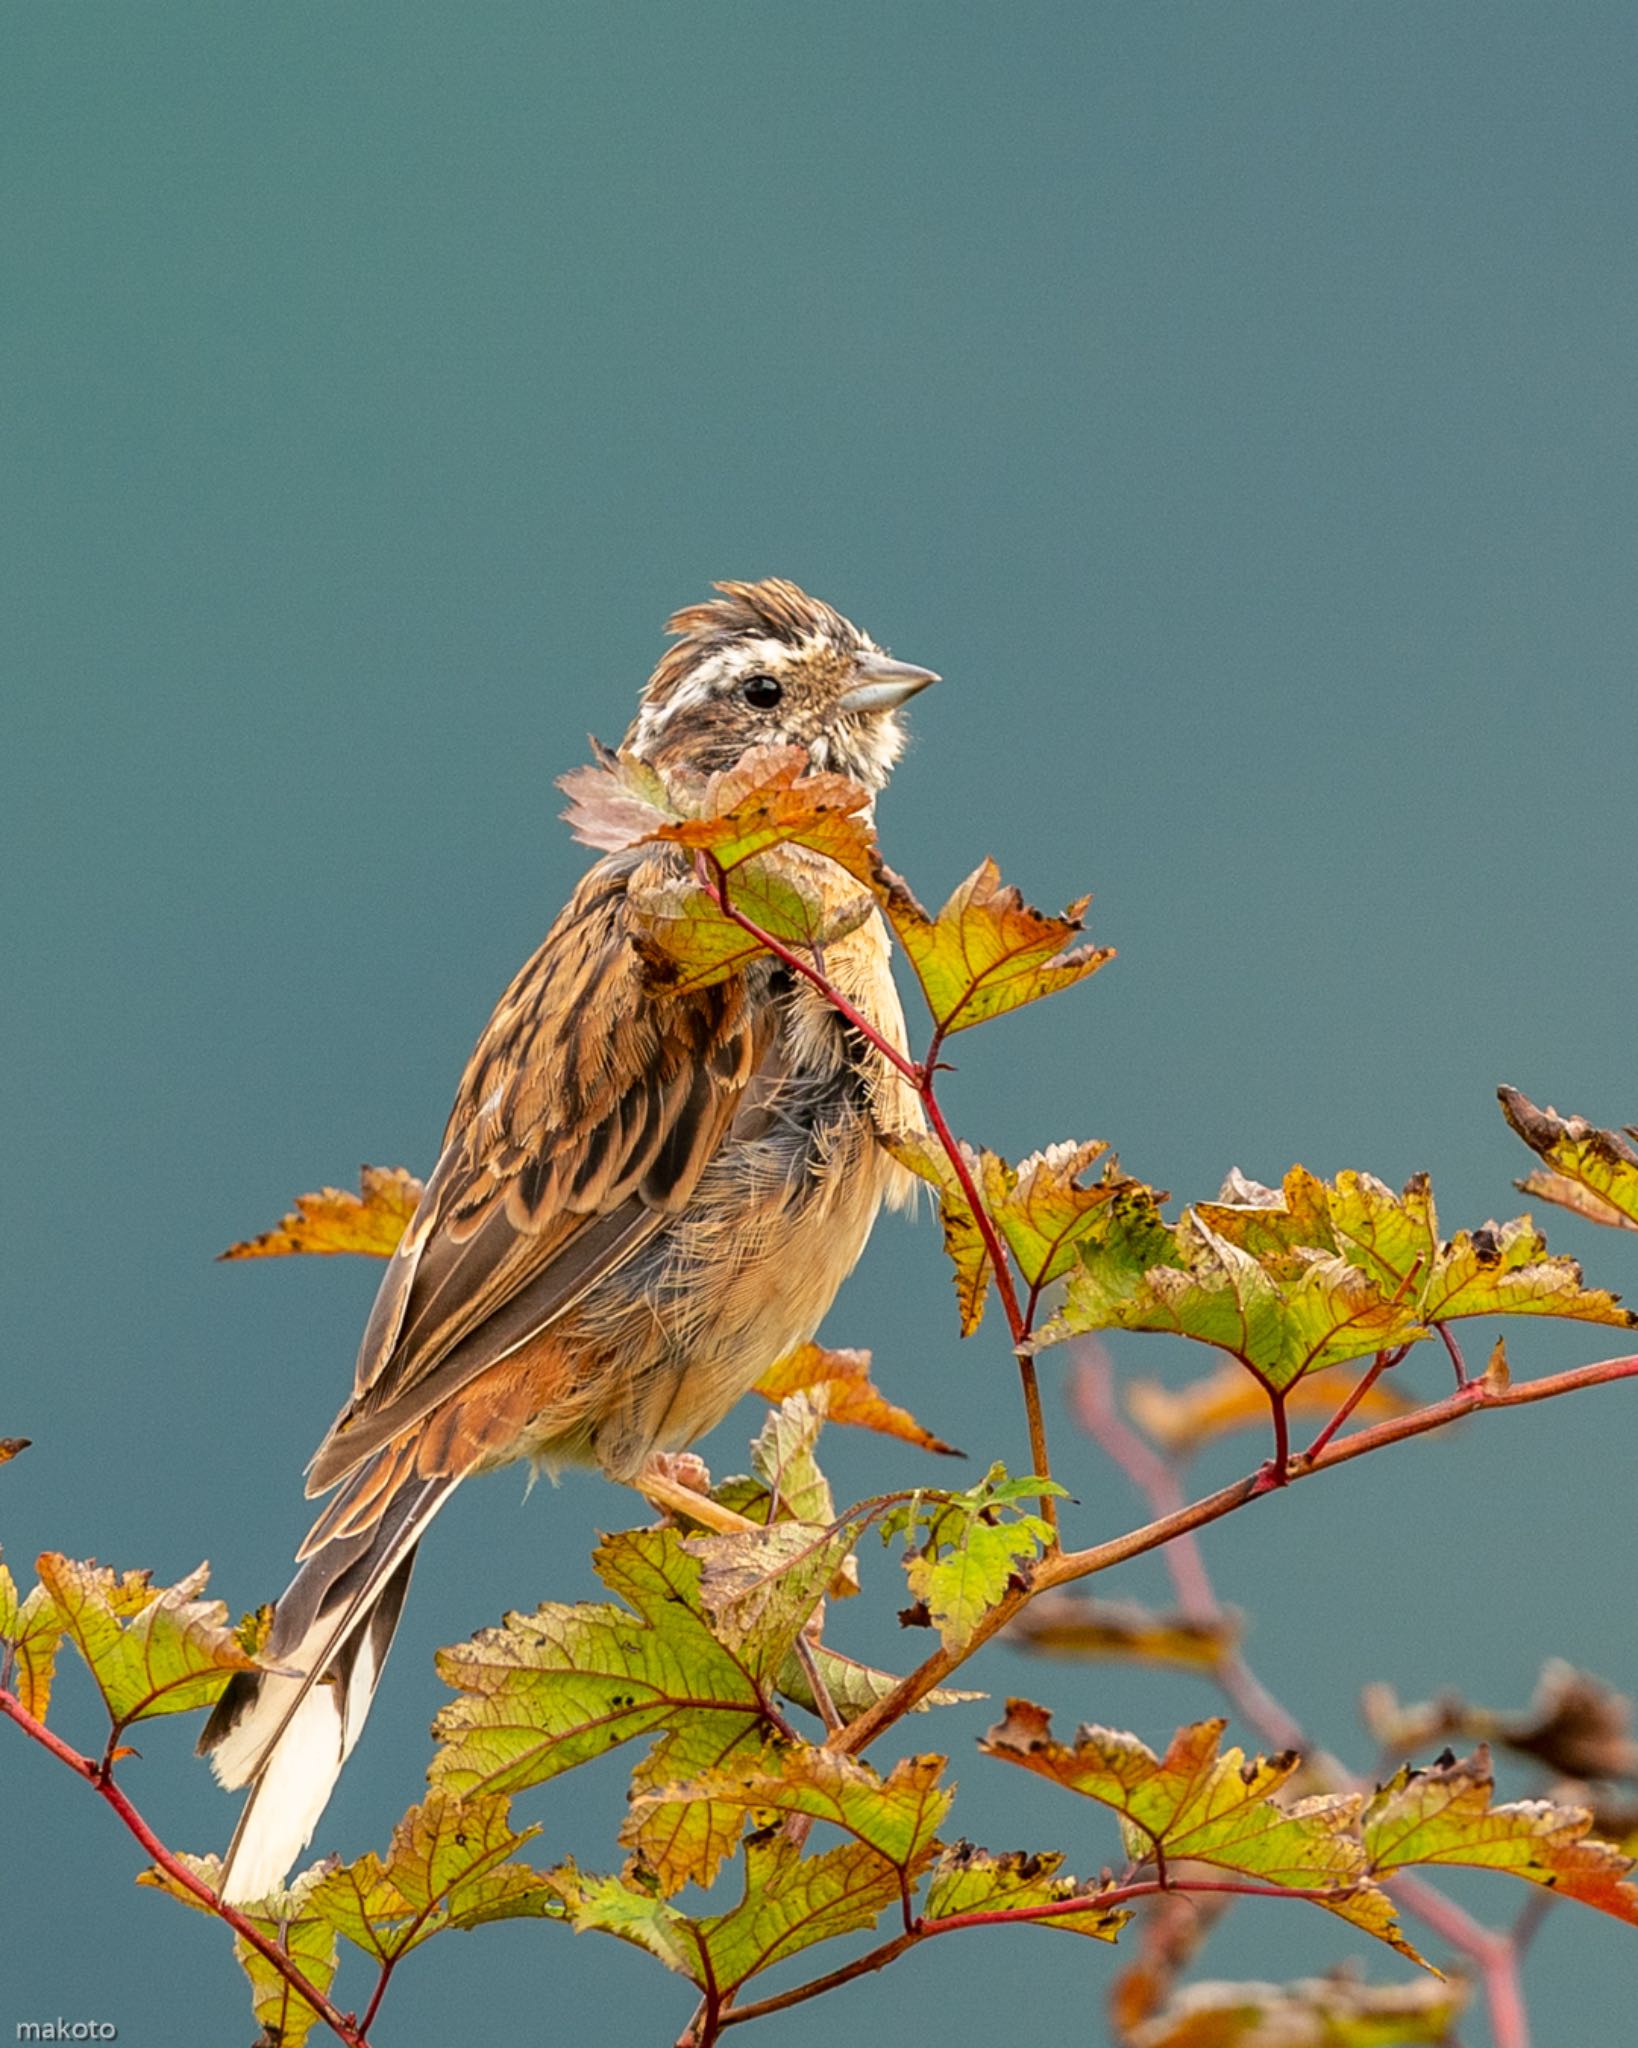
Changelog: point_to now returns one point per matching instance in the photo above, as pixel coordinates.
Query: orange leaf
(370, 1222)
(850, 1394)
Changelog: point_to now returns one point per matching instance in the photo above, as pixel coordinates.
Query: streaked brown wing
(587, 1112)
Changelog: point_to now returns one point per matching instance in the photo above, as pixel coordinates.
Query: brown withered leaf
(1576, 1725)
(1321, 2012)
(12, 1446)
(1063, 1623)
(1592, 1171)
(1181, 1419)
(987, 951)
(370, 1222)
(850, 1395)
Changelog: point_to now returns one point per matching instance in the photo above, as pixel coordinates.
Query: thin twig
(344, 2027)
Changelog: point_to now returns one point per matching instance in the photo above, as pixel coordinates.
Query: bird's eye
(762, 693)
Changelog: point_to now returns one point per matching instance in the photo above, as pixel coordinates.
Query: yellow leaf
(1181, 1419)
(370, 1222)
(850, 1395)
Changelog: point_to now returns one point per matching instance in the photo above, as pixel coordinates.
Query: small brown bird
(641, 1203)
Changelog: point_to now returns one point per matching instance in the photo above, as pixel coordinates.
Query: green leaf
(765, 1585)
(1301, 1311)
(975, 1544)
(987, 952)
(449, 1866)
(1592, 1172)
(1041, 1209)
(552, 1689)
(855, 1688)
(897, 1816)
(151, 1651)
(969, 1880)
(790, 1903)
(30, 1632)
(288, 1921)
(785, 1483)
(1500, 1269)
(773, 797)
(963, 1240)
(1196, 1805)
(1444, 1816)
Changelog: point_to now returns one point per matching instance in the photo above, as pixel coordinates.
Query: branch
(341, 2025)
(714, 881)
(1107, 1900)
(1060, 1568)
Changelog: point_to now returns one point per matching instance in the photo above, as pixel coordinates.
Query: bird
(642, 1201)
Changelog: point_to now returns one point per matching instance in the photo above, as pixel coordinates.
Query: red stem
(1362, 1387)
(344, 2028)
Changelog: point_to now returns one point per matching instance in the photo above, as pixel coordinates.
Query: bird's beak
(885, 684)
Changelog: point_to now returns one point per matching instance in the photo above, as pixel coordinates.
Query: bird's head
(764, 664)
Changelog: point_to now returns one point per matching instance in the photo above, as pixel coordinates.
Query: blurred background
(1236, 404)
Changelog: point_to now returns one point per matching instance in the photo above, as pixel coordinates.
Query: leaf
(773, 797)
(785, 1482)
(842, 1379)
(969, 1880)
(1061, 1623)
(13, 1447)
(987, 952)
(1322, 2012)
(1444, 1816)
(790, 1903)
(370, 1222)
(1196, 1805)
(449, 1866)
(552, 1689)
(1576, 1725)
(1302, 1310)
(150, 1651)
(1181, 1419)
(975, 1545)
(769, 1582)
(963, 1240)
(855, 1688)
(897, 1816)
(1040, 1208)
(1499, 1269)
(287, 1920)
(30, 1633)
(616, 802)
(1594, 1172)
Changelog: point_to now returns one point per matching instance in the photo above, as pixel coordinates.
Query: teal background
(1236, 403)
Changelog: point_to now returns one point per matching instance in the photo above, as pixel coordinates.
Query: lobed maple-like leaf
(1063, 1623)
(1443, 1815)
(1041, 1208)
(987, 952)
(772, 796)
(550, 1690)
(151, 1650)
(785, 1481)
(1499, 1269)
(767, 1582)
(1281, 1315)
(616, 801)
(855, 1688)
(973, 1546)
(1591, 1171)
(1199, 1805)
(841, 1379)
(970, 1880)
(1319, 2012)
(897, 1816)
(963, 1240)
(1181, 1419)
(371, 1222)
(289, 1922)
(790, 1903)
(450, 1865)
(31, 1631)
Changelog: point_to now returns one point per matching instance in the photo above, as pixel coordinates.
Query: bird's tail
(287, 1733)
